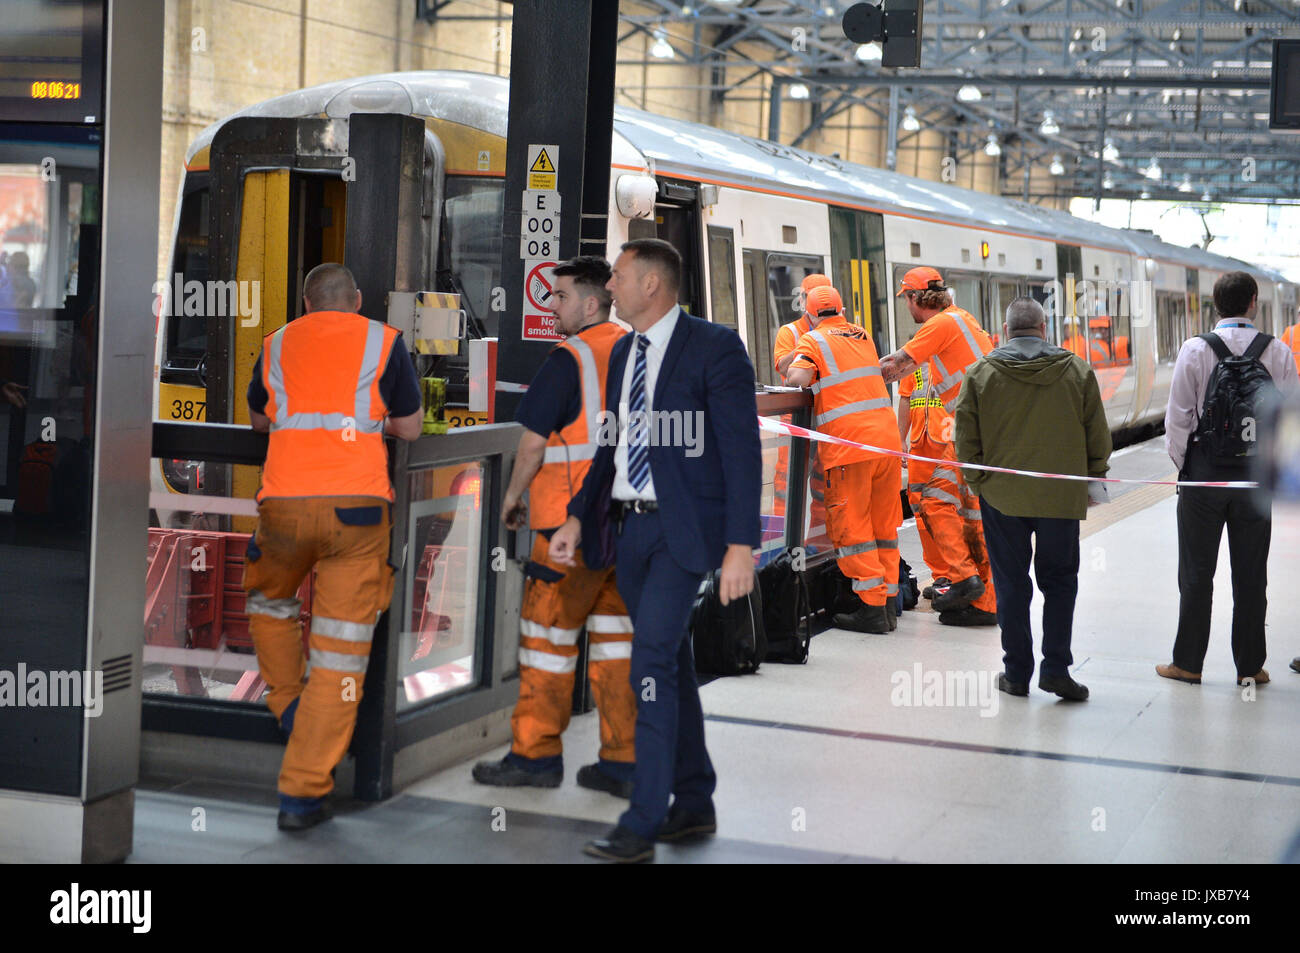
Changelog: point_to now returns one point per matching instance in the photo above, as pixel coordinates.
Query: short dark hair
(330, 287)
(1024, 317)
(660, 256)
(590, 274)
(1232, 294)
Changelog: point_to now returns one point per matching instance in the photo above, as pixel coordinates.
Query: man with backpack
(1220, 382)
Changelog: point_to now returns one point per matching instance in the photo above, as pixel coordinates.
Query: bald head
(1025, 317)
(330, 287)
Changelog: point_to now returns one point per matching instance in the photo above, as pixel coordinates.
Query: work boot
(938, 585)
(621, 846)
(506, 774)
(959, 595)
(1295, 664)
(300, 813)
(870, 619)
(968, 616)
(591, 776)
(891, 613)
(1012, 688)
(1063, 686)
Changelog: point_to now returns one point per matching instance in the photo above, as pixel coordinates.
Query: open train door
(287, 195)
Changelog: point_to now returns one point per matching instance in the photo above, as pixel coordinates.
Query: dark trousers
(1202, 513)
(1055, 552)
(670, 753)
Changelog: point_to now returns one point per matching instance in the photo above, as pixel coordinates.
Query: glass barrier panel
(438, 650)
(196, 639)
(815, 539)
(776, 450)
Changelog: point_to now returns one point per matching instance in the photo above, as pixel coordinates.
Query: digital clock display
(51, 61)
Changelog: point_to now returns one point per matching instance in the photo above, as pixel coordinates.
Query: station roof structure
(1164, 99)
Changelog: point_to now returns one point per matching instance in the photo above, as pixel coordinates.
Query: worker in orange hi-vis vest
(949, 341)
(787, 337)
(327, 387)
(838, 361)
(1291, 338)
(915, 407)
(561, 413)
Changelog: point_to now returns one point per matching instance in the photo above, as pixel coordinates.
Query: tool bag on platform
(730, 639)
(787, 610)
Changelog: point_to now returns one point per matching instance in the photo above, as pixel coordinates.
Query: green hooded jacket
(1031, 405)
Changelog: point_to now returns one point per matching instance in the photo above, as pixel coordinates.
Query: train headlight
(635, 195)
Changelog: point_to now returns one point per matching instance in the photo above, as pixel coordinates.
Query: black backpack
(909, 591)
(1234, 399)
(787, 610)
(727, 640)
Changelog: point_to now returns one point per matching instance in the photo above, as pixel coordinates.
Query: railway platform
(850, 759)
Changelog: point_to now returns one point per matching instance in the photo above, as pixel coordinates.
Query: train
(750, 218)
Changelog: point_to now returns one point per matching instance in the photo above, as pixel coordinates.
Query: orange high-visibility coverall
(912, 389)
(1291, 338)
(948, 343)
(324, 502)
(863, 510)
(559, 600)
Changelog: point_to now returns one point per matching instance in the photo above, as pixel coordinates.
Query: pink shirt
(1196, 361)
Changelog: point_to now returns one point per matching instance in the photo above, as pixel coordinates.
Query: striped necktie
(638, 447)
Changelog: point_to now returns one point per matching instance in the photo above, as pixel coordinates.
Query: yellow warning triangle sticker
(542, 163)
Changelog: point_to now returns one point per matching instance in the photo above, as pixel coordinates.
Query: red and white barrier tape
(775, 426)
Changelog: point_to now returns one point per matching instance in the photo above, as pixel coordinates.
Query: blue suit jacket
(709, 500)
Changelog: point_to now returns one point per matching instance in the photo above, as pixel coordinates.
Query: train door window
(1005, 291)
(1116, 309)
(760, 321)
(722, 276)
(785, 274)
(1045, 295)
(1265, 322)
(678, 223)
(968, 294)
(469, 257)
(187, 334)
(317, 223)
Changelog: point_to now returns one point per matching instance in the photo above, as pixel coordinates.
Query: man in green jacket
(1031, 405)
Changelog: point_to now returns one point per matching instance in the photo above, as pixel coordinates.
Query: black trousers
(1053, 547)
(1202, 514)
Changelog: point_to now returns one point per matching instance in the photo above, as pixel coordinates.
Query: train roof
(675, 146)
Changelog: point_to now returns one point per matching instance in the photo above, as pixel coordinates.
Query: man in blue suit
(672, 494)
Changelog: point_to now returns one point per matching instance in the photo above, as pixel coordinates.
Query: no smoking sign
(539, 322)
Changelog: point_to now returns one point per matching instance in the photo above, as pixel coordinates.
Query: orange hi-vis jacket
(850, 399)
(951, 341)
(321, 374)
(570, 451)
(1291, 338)
(787, 338)
(926, 414)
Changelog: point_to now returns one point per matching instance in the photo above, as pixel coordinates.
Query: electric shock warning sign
(543, 167)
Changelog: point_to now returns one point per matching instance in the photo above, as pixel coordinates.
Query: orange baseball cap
(824, 300)
(918, 279)
(814, 281)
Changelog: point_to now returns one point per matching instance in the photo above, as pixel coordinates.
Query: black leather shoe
(959, 595)
(503, 774)
(1012, 688)
(939, 585)
(891, 613)
(686, 825)
(300, 822)
(866, 618)
(968, 616)
(590, 776)
(1295, 664)
(621, 846)
(1064, 686)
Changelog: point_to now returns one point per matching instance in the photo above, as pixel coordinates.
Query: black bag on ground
(909, 591)
(1234, 400)
(787, 611)
(831, 591)
(727, 640)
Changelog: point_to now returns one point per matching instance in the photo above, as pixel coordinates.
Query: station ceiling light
(1057, 167)
(1049, 126)
(910, 123)
(799, 91)
(969, 94)
(662, 49)
(1205, 196)
(1144, 194)
(1109, 152)
(1153, 171)
(991, 148)
(868, 53)
(1107, 182)
(1186, 184)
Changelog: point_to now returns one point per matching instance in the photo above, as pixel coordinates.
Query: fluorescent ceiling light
(1057, 167)
(662, 49)
(910, 122)
(1049, 126)
(991, 148)
(969, 94)
(868, 52)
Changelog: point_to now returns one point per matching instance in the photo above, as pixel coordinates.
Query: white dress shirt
(659, 335)
(1196, 362)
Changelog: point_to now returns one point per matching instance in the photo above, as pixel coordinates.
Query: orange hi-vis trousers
(863, 512)
(558, 602)
(949, 514)
(345, 538)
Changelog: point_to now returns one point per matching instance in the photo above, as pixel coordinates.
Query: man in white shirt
(1203, 511)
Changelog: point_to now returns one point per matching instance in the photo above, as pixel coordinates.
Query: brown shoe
(1260, 677)
(1178, 674)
